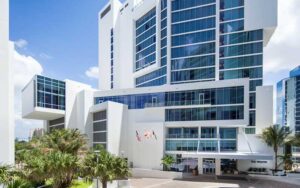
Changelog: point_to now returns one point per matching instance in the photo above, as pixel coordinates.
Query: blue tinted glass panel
(228, 145)
(195, 74)
(232, 14)
(240, 62)
(152, 75)
(203, 36)
(220, 96)
(194, 13)
(242, 37)
(243, 49)
(196, 25)
(181, 145)
(50, 93)
(208, 145)
(241, 73)
(205, 114)
(156, 82)
(193, 50)
(182, 4)
(193, 62)
(254, 84)
(225, 4)
(228, 133)
(145, 18)
(232, 26)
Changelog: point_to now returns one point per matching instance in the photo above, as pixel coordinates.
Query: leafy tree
(55, 156)
(286, 161)
(167, 161)
(296, 140)
(5, 175)
(105, 167)
(275, 136)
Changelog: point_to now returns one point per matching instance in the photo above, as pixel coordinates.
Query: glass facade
(56, 124)
(206, 113)
(111, 59)
(50, 93)
(193, 41)
(214, 96)
(146, 40)
(209, 141)
(150, 77)
(100, 129)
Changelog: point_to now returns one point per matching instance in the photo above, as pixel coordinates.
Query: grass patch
(81, 184)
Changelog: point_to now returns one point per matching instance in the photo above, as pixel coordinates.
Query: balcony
(43, 99)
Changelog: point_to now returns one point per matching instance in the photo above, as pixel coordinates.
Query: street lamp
(97, 154)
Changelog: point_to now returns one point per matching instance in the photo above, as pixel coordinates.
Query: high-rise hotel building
(176, 77)
(288, 108)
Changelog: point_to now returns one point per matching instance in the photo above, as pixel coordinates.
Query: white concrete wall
(84, 123)
(261, 14)
(28, 98)
(116, 123)
(7, 124)
(72, 120)
(264, 108)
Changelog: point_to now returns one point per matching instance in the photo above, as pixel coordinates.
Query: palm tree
(286, 161)
(105, 166)
(296, 140)
(275, 136)
(55, 156)
(19, 183)
(5, 175)
(167, 161)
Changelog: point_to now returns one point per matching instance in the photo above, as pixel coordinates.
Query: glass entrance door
(209, 166)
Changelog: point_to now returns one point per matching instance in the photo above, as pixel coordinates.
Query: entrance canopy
(229, 155)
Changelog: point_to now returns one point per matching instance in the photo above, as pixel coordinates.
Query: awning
(228, 155)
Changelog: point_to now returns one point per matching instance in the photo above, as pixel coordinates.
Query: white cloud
(25, 67)
(282, 53)
(92, 72)
(21, 43)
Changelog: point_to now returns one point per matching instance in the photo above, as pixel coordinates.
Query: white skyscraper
(177, 77)
(7, 93)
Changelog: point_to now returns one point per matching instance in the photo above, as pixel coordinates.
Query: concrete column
(218, 166)
(200, 165)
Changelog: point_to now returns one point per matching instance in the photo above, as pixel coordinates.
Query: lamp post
(97, 154)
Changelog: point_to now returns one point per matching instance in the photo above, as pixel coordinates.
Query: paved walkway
(209, 182)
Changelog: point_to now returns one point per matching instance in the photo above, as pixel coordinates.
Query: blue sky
(59, 39)
(61, 35)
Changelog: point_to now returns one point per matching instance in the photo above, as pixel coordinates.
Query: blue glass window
(196, 25)
(185, 63)
(205, 114)
(182, 4)
(208, 145)
(208, 132)
(219, 96)
(232, 14)
(239, 62)
(242, 49)
(193, 50)
(254, 84)
(145, 18)
(50, 93)
(181, 145)
(194, 74)
(228, 145)
(151, 76)
(232, 26)
(194, 13)
(228, 133)
(241, 73)
(156, 82)
(225, 4)
(198, 37)
(241, 37)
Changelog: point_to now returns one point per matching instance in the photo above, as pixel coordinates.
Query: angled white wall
(7, 91)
